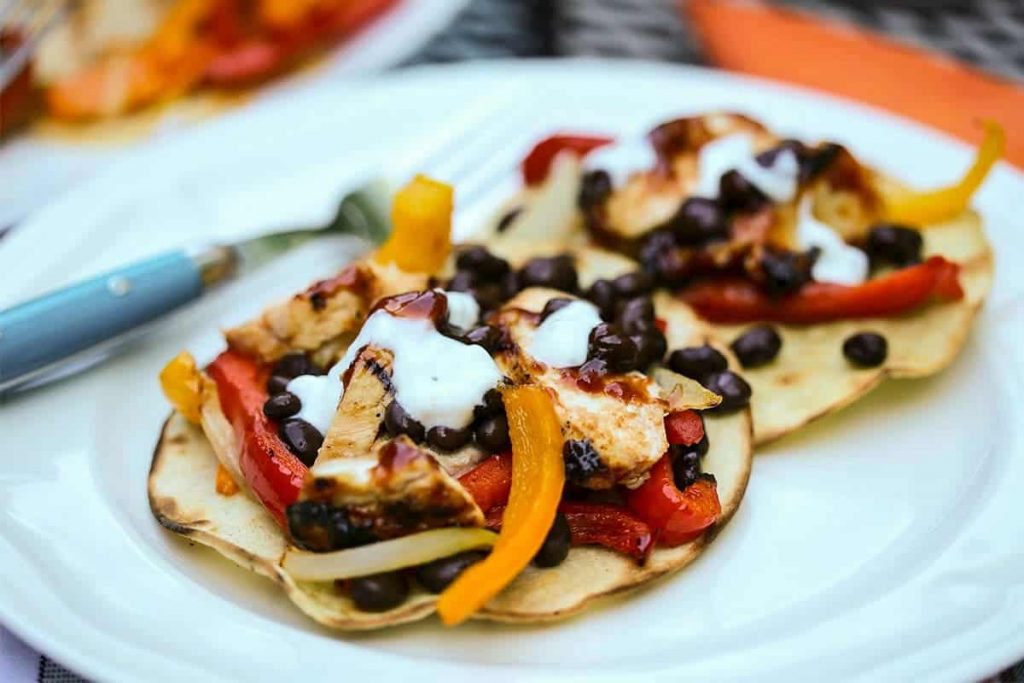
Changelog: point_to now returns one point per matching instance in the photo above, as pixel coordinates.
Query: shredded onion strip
(385, 556)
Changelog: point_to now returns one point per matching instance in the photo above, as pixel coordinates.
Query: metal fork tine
(36, 29)
(446, 141)
(476, 147)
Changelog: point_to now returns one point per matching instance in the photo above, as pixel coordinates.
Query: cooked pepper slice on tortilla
(272, 472)
(538, 162)
(734, 300)
(684, 427)
(610, 526)
(936, 206)
(490, 482)
(538, 477)
(675, 516)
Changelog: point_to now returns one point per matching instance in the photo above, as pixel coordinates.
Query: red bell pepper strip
(740, 301)
(684, 427)
(538, 162)
(675, 516)
(246, 63)
(609, 526)
(490, 482)
(273, 472)
(600, 524)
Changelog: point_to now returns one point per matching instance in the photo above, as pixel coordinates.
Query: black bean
(556, 544)
(703, 445)
(510, 285)
(448, 438)
(344, 532)
(307, 525)
(486, 265)
(733, 389)
(397, 421)
(581, 460)
(557, 272)
(633, 284)
(757, 346)
(785, 271)
(280, 406)
(614, 347)
(492, 405)
(637, 314)
(506, 221)
(736, 193)
(379, 592)
(685, 475)
(556, 304)
(319, 527)
(602, 294)
(437, 575)
(486, 336)
(697, 362)
(866, 349)
(463, 281)
(595, 188)
(816, 161)
(472, 257)
(767, 158)
(685, 456)
(302, 439)
(292, 365)
(489, 295)
(663, 259)
(492, 434)
(277, 384)
(898, 245)
(699, 220)
(652, 347)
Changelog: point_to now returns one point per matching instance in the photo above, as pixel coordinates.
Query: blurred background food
(111, 57)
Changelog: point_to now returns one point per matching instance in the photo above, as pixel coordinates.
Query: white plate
(886, 541)
(34, 169)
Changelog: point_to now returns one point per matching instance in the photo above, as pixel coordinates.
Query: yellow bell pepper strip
(935, 206)
(538, 477)
(183, 386)
(421, 222)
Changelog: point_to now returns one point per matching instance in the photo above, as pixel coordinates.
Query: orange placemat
(754, 38)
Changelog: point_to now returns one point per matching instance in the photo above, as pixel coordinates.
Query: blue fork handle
(40, 333)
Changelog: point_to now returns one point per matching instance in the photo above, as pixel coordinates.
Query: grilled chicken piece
(651, 198)
(360, 413)
(398, 487)
(391, 484)
(623, 419)
(322, 319)
(842, 196)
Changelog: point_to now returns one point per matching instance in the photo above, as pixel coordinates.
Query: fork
(28, 21)
(74, 328)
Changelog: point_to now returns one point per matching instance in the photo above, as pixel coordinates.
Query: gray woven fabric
(987, 33)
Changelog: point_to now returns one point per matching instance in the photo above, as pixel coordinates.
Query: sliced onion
(385, 556)
(684, 393)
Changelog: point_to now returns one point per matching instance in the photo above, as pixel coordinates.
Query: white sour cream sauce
(463, 310)
(561, 341)
(438, 380)
(736, 152)
(622, 158)
(838, 262)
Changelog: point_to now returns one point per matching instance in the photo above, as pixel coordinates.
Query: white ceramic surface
(33, 169)
(886, 541)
